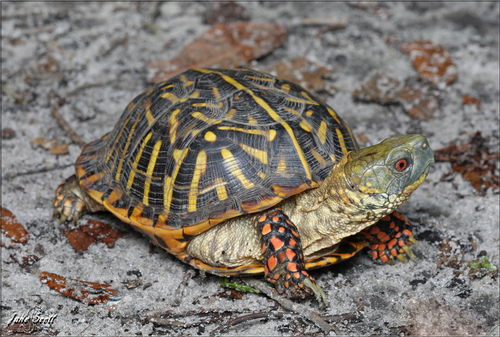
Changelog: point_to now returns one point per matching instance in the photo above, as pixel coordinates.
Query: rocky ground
(87, 61)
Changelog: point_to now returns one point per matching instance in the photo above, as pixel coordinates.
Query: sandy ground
(63, 46)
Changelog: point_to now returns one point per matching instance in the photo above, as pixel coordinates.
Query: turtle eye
(401, 164)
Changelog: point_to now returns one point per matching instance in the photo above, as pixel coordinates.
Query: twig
(178, 293)
(291, 306)
(243, 319)
(62, 123)
(35, 171)
(84, 87)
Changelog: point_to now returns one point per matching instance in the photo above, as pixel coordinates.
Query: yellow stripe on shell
(322, 132)
(318, 157)
(201, 166)
(271, 113)
(256, 153)
(174, 124)
(216, 92)
(235, 169)
(221, 189)
(149, 115)
(149, 173)
(198, 115)
(341, 141)
(136, 161)
(285, 87)
(305, 125)
(299, 100)
(333, 114)
(252, 120)
(168, 187)
(268, 134)
(230, 114)
(171, 97)
(219, 186)
(306, 95)
(291, 110)
(282, 165)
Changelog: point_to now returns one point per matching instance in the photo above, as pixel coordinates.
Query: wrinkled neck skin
(335, 210)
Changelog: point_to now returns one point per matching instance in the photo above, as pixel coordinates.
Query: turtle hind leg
(71, 201)
(283, 259)
(390, 238)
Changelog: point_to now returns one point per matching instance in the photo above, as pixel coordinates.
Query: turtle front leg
(283, 259)
(390, 237)
(71, 201)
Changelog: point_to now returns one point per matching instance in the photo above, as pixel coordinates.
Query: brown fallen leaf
(473, 161)
(417, 99)
(103, 232)
(25, 260)
(83, 291)
(301, 71)
(56, 147)
(82, 237)
(13, 229)
(225, 45)
(466, 99)
(78, 239)
(432, 61)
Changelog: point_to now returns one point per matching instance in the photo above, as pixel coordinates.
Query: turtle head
(391, 170)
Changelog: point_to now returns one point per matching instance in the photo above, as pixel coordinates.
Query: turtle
(238, 172)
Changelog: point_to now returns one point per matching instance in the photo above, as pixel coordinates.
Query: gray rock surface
(64, 46)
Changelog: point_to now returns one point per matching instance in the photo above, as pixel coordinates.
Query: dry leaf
(13, 229)
(302, 71)
(416, 98)
(473, 161)
(82, 237)
(103, 232)
(56, 147)
(78, 239)
(87, 292)
(224, 45)
(432, 61)
(466, 99)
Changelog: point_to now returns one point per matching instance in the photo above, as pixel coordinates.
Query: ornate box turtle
(239, 172)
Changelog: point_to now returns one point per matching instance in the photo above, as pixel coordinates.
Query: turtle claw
(408, 252)
(317, 291)
(402, 258)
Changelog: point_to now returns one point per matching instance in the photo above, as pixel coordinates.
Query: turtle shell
(209, 145)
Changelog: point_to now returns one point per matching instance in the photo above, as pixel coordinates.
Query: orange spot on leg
(277, 243)
(272, 262)
(292, 266)
(266, 229)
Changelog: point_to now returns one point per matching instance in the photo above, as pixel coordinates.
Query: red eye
(401, 165)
